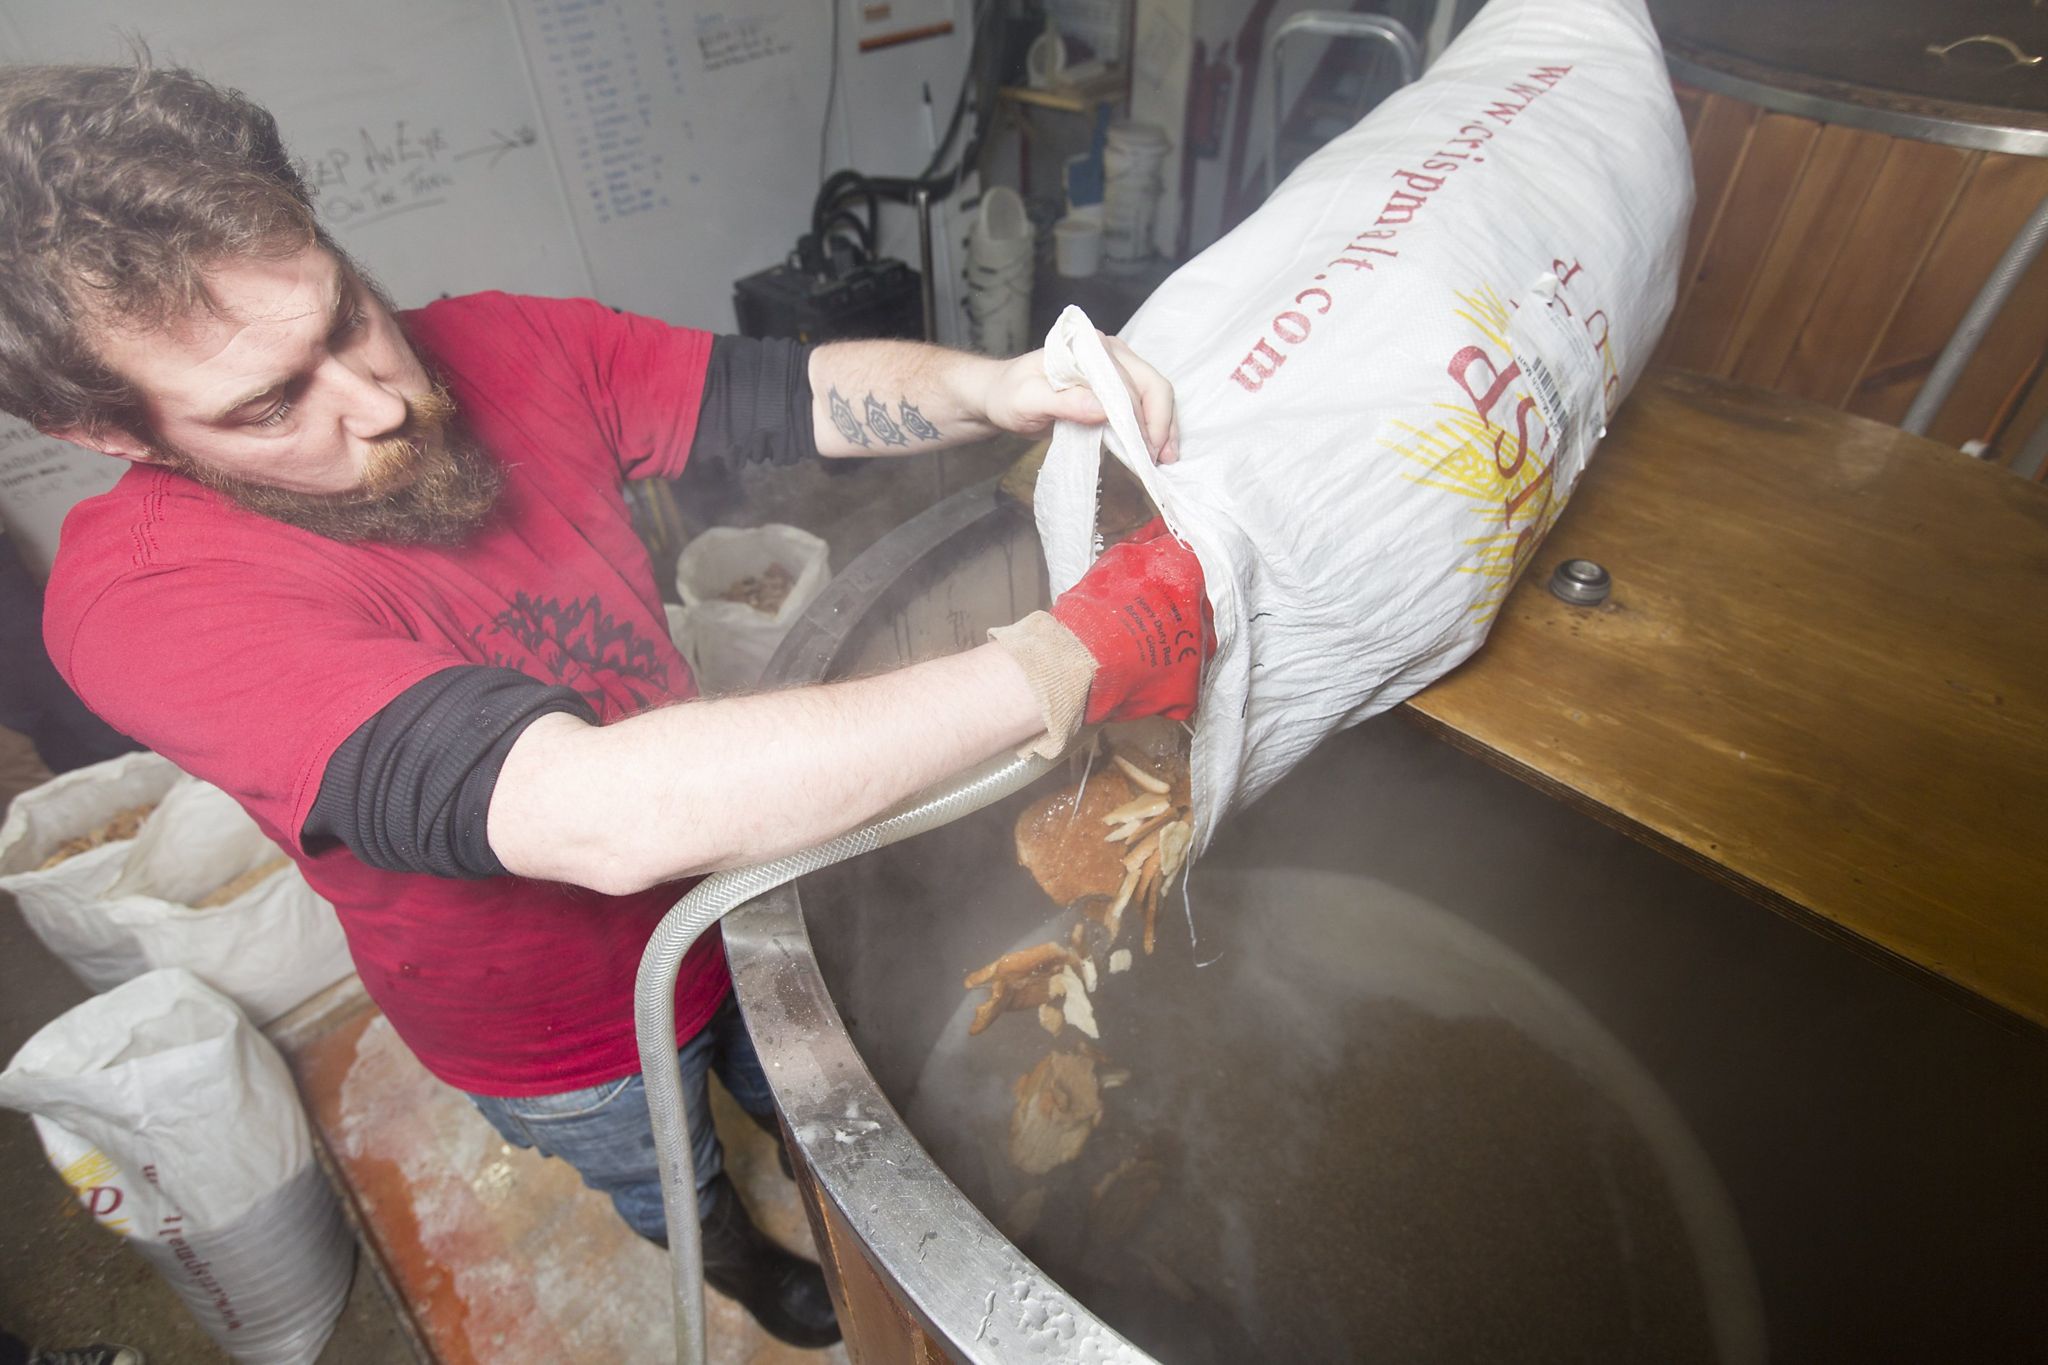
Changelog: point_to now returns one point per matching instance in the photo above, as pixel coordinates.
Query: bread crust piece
(1058, 1106)
(1016, 981)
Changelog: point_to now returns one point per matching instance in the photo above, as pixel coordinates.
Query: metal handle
(1333, 24)
(2013, 49)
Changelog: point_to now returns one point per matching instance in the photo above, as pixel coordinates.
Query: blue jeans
(604, 1132)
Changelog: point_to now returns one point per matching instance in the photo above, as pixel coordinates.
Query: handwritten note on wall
(685, 133)
(725, 40)
(610, 101)
(401, 167)
(412, 123)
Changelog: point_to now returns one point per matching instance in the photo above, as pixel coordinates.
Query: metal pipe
(1334, 24)
(2027, 464)
(654, 999)
(1443, 26)
(924, 263)
(1963, 342)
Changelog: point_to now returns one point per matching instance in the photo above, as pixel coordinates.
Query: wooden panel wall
(1831, 264)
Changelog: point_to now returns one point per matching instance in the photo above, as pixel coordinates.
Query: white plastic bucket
(1132, 159)
(1077, 247)
(1135, 149)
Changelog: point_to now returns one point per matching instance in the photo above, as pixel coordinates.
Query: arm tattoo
(917, 425)
(883, 425)
(843, 418)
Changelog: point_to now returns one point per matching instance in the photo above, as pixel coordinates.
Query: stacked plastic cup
(999, 267)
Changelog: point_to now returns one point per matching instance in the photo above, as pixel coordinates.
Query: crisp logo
(93, 1177)
(1493, 446)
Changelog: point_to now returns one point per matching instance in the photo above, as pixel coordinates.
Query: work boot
(785, 1293)
(99, 1353)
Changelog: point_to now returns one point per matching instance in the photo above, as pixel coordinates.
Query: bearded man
(373, 573)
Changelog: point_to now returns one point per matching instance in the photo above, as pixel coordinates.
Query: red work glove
(1141, 612)
(1127, 641)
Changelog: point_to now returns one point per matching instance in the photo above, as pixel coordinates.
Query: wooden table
(1822, 675)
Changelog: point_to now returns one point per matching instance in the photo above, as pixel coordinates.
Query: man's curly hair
(120, 187)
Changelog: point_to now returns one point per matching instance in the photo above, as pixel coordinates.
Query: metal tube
(654, 999)
(2027, 464)
(1334, 24)
(1963, 342)
(924, 263)
(1443, 25)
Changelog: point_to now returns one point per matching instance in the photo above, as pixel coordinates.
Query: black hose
(978, 80)
(828, 197)
(860, 229)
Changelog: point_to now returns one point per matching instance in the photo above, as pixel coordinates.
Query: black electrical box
(872, 299)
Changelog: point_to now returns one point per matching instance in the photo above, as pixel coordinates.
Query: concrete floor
(66, 1281)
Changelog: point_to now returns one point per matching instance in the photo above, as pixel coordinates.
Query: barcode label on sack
(1564, 371)
(1557, 414)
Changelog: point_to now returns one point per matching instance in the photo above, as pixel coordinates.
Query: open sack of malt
(131, 865)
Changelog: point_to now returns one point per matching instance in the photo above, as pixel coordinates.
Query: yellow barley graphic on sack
(1457, 455)
(1489, 314)
(91, 1177)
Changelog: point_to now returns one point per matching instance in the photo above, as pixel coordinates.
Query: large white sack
(1392, 374)
(59, 903)
(267, 949)
(122, 909)
(175, 1122)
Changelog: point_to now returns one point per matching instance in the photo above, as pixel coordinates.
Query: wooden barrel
(1851, 204)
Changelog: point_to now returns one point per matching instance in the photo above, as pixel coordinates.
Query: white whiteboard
(411, 122)
(646, 153)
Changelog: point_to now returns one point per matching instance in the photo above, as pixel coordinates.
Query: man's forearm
(897, 397)
(708, 785)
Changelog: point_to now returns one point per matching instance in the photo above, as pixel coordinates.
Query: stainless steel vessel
(1443, 1070)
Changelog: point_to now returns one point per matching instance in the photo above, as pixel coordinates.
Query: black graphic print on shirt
(579, 644)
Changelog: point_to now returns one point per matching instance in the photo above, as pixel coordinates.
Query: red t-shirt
(246, 651)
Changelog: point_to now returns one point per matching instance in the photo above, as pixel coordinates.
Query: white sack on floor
(59, 902)
(122, 909)
(728, 644)
(267, 949)
(1392, 374)
(178, 1127)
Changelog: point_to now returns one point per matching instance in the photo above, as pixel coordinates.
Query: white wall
(643, 152)
(881, 127)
